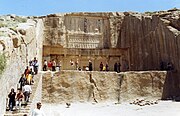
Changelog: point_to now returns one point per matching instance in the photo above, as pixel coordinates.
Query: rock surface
(75, 86)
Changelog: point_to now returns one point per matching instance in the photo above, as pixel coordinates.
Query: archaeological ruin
(143, 43)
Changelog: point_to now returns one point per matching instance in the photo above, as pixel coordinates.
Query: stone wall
(21, 46)
(75, 86)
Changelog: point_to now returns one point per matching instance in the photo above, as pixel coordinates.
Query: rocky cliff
(153, 38)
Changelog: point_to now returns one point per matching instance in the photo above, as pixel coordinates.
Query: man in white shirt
(37, 111)
(27, 91)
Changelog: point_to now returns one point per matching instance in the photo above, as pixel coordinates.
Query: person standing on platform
(90, 65)
(45, 65)
(53, 65)
(101, 66)
(115, 67)
(50, 65)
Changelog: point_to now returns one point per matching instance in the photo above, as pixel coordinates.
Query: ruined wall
(75, 86)
(21, 45)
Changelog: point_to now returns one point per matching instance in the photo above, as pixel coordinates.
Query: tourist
(104, 68)
(27, 91)
(115, 67)
(50, 65)
(72, 64)
(22, 81)
(30, 77)
(60, 65)
(107, 67)
(38, 111)
(19, 99)
(12, 101)
(101, 66)
(162, 65)
(53, 65)
(77, 64)
(90, 65)
(118, 67)
(45, 65)
(170, 66)
(35, 65)
(26, 72)
(31, 63)
(87, 68)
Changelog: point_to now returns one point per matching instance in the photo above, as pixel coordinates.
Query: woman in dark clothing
(22, 81)
(115, 67)
(12, 101)
(90, 65)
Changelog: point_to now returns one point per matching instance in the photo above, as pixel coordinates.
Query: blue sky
(44, 7)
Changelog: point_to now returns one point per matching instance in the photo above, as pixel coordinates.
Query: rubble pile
(142, 102)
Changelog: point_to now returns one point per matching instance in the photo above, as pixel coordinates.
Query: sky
(44, 7)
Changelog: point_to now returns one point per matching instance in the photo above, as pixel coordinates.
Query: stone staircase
(25, 108)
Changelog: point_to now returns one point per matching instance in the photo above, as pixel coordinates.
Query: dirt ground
(162, 108)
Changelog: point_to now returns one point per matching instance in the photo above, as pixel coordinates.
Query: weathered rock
(22, 32)
(75, 86)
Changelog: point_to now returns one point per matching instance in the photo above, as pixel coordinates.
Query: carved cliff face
(78, 30)
(150, 38)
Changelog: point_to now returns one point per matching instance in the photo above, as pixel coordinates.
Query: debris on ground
(142, 102)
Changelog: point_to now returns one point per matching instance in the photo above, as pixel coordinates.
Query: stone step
(16, 114)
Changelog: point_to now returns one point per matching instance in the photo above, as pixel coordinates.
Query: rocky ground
(162, 108)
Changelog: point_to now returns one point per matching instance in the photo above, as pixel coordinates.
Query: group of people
(24, 91)
(117, 67)
(75, 64)
(103, 67)
(166, 66)
(51, 65)
(24, 86)
(33, 64)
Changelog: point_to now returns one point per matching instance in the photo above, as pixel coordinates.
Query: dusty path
(163, 108)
